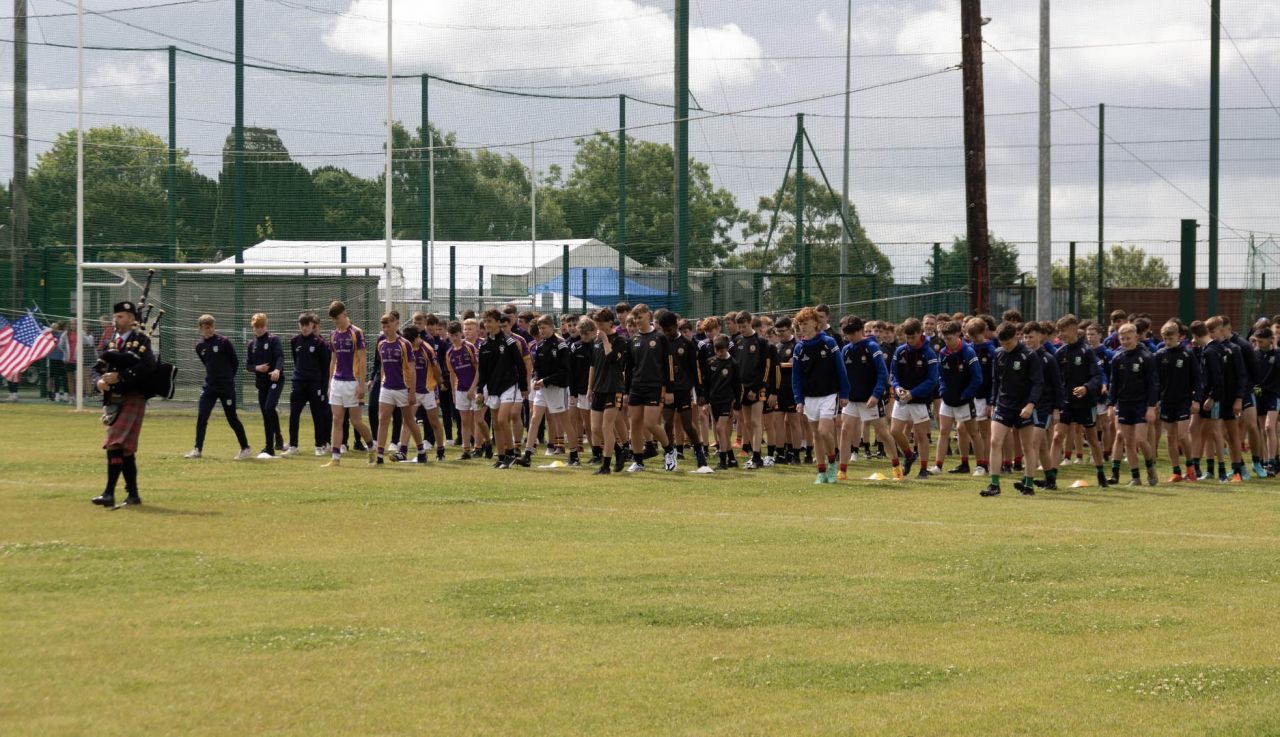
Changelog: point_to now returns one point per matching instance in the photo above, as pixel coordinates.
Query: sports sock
(1115, 468)
(381, 451)
(1051, 475)
(115, 464)
(995, 479)
(1177, 470)
(1134, 472)
(822, 468)
(130, 468)
(699, 456)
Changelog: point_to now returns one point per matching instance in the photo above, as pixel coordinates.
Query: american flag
(6, 332)
(30, 342)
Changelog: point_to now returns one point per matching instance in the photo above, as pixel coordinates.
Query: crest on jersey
(822, 353)
(1078, 360)
(313, 349)
(752, 349)
(1136, 366)
(1017, 365)
(724, 372)
(215, 349)
(502, 348)
(1179, 363)
(680, 350)
(653, 344)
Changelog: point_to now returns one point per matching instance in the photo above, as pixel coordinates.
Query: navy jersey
(916, 370)
(1224, 373)
(1018, 378)
(1134, 379)
(985, 350)
(264, 349)
(501, 366)
(1079, 366)
(220, 362)
(310, 355)
(551, 362)
(1270, 371)
(864, 365)
(1180, 380)
(817, 369)
(1053, 396)
(959, 374)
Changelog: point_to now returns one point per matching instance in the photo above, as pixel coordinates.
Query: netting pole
(681, 139)
(480, 291)
(533, 218)
(173, 153)
(237, 175)
(387, 189)
(937, 272)
(453, 282)
(79, 328)
(1187, 273)
(801, 247)
(425, 188)
(342, 285)
(1044, 210)
(1102, 161)
(1073, 303)
(1215, 109)
(622, 199)
(18, 186)
(844, 187)
(584, 290)
(564, 278)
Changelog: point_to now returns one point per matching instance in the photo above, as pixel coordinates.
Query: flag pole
(79, 323)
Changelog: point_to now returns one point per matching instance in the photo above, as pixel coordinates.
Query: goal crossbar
(274, 266)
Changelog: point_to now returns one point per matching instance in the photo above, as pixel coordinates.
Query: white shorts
(821, 408)
(394, 397)
(913, 413)
(863, 412)
(466, 405)
(554, 398)
(584, 401)
(427, 400)
(510, 396)
(962, 413)
(342, 393)
(980, 409)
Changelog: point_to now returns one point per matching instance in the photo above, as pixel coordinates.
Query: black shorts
(1180, 412)
(1220, 411)
(747, 401)
(1131, 414)
(682, 399)
(1011, 417)
(721, 409)
(1041, 419)
(1085, 416)
(787, 405)
(600, 401)
(645, 397)
(1268, 402)
(1248, 402)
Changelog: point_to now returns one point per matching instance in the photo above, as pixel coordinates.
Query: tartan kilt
(124, 432)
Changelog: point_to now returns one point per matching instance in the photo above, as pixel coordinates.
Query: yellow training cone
(1080, 484)
(554, 464)
(877, 476)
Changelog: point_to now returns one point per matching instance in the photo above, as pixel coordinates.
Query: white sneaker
(703, 469)
(669, 460)
(343, 448)
(265, 456)
(980, 471)
(292, 450)
(321, 450)
(13, 396)
(635, 467)
(935, 469)
(550, 451)
(768, 461)
(244, 454)
(853, 457)
(194, 454)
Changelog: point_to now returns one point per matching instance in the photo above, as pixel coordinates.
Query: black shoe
(500, 463)
(1151, 475)
(595, 460)
(619, 458)
(1103, 482)
(439, 454)
(1017, 466)
(722, 466)
(1115, 478)
(466, 455)
(924, 474)
(359, 446)
(523, 461)
(733, 462)
(1040, 483)
(104, 500)
(908, 462)
(133, 500)
(680, 454)
(573, 460)
(1024, 489)
(422, 458)
(1049, 486)
(1006, 468)
(962, 468)
(603, 470)
(488, 452)
(380, 461)
(991, 490)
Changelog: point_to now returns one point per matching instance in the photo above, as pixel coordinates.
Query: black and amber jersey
(755, 362)
(608, 370)
(650, 364)
(723, 384)
(688, 367)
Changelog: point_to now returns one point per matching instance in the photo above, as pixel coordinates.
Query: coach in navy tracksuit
(220, 366)
(310, 355)
(265, 360)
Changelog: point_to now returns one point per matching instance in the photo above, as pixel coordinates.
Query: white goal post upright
(302, 270)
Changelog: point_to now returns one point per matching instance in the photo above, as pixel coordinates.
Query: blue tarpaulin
(602, 288)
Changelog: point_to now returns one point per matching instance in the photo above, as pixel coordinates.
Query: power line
(156, 6)
(465, 26)
(1247, 65)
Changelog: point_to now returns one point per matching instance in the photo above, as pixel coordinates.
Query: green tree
(952, 266)
(589, 201)
(275, 187)
(125, 201)
(1122, 266)
(822, 234)
(350, 206)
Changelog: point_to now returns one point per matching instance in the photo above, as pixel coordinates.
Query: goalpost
(232, 293)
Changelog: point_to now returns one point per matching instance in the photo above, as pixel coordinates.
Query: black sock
(115, 464)
(773, 449)
(130, 467)
(1134, 472)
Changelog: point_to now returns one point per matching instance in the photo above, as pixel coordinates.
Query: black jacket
(1134, 379)
(551, 362)
(268, 350)
(501, 366)
(220, 362)
(1017, 379)
(310, 360)
(1078, 366)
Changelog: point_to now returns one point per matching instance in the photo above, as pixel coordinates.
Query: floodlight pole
(1215, 108)
(975, 144)
(844, 187)
(386, 217)
(681, 139)
(79, 327)
(533, 219)
(1044, 224)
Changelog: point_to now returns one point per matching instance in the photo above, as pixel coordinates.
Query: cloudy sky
(1147, 59)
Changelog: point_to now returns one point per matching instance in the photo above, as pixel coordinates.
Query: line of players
(1035, 392)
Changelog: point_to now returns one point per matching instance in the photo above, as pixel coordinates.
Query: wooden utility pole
(18, 191)
(975, 154)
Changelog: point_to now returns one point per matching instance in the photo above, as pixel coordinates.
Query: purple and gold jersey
(344, 344)
(425, 368)
(463, 361)
(397, 365)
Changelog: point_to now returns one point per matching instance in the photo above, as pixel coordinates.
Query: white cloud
(585, 40)
(132, 79)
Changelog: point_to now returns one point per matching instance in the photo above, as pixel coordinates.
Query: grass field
(279, 598)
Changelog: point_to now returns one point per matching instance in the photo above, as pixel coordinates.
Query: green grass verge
(279, 598)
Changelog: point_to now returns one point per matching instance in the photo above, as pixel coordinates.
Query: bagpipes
(162, 380)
